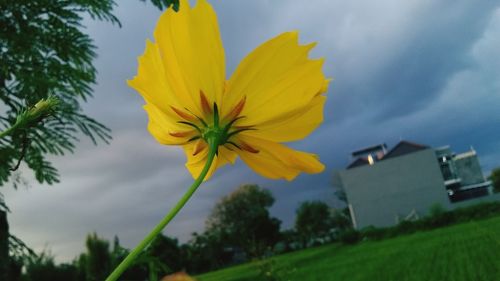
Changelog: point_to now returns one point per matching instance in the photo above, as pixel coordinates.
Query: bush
(270, 271)
(407, 227)
(374, 233)
(350, 236)
(436, 210)
(438, 218)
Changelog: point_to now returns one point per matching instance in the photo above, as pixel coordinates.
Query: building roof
(404, 147)
(369, 149)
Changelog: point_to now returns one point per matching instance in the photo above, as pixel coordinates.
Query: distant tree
(205, 252)
(290, 238)
(118, 253)
(167, 250)
(161, 257)
(495, 178)
(43, 268)
(97, 258)
(98, 261)
(341, 219)
(313, 220)
(81, 265)
(242, 220)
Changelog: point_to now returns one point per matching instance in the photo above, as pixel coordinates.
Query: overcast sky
(421, 70)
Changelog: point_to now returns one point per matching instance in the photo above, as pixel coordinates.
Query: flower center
(212, 128)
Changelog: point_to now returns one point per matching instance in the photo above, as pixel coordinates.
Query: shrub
(350, 236)
(436, 209)
(438, 218)
(374, 233)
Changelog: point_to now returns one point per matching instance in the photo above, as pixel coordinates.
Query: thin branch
(26, 144)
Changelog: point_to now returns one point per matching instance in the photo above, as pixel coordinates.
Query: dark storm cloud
(434, 51)
(426, 71)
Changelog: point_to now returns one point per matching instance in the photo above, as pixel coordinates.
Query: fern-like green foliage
(45, 52)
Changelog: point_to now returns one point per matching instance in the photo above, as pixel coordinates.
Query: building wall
(390, 189)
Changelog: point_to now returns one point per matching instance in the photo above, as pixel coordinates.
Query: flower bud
(41, 110)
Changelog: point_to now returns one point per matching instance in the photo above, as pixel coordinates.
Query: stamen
(205, 105)
(183, 114)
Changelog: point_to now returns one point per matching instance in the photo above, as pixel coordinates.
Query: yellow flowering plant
(275, 95)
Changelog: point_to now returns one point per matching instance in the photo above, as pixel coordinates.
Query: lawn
(464, 252)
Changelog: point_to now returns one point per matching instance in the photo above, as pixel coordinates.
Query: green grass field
(463, 252)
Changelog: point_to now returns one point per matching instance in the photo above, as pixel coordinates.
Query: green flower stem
(128, 261)
(9, 130)
(152, 272)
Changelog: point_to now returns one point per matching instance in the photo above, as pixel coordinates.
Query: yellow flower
(179, 276)
(274, 96)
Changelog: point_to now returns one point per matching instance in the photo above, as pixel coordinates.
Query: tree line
(240, 228)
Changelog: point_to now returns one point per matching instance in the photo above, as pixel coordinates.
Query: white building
(384, 187)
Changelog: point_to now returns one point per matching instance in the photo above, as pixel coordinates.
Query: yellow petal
(277, 161)
(277, 78)
(163, 128)
(150, 81)
(192, 53)
(228, 155)
(295, 125)
(196, 162)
